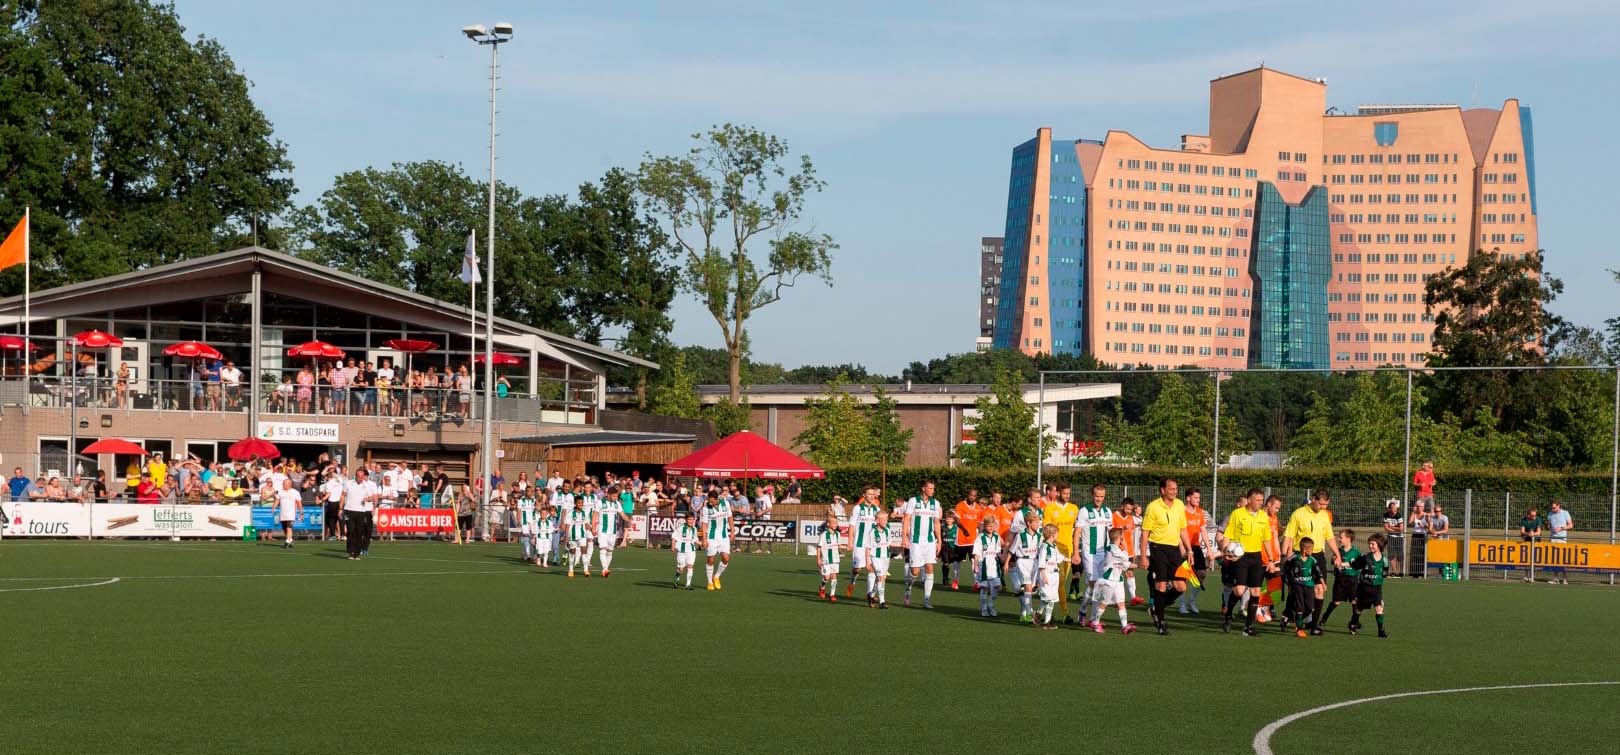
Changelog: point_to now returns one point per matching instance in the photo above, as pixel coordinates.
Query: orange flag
(14, 250)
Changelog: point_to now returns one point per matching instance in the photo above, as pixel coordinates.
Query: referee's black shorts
(1248, 571)
(1163, 560)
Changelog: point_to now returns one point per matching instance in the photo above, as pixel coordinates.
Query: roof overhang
(231, 272)
(926, 395)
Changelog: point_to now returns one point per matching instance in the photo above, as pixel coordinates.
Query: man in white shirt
(332, 496)
(231, 378)
(359, 498)
(554, 482)
(289, 507)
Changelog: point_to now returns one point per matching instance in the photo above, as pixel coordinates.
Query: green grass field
(428, 647)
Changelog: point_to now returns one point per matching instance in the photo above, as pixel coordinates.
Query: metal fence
(1596, 517)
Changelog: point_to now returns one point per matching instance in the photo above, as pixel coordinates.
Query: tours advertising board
(45, 519)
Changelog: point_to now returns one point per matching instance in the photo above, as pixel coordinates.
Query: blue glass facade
(1527, 132)
(1066, 249)
(1020, 195)
(1292, 263)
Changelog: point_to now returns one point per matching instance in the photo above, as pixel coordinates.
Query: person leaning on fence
(1419, 528)
(1439, 524)
(1559, 524)
(1531, 528)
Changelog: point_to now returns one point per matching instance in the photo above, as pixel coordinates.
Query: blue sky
(909, 109)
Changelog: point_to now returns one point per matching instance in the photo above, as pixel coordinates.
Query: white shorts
(829, 569)
(880, 567)
(606, 542)
(858, 557)
(920, 555)
(718, 546)
(578, 544)
(542, 545)
(1109, 592)
(685, 560)
(1023, 572)
(1094, 566)
(1049, 587)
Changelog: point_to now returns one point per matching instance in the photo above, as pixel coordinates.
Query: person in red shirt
(968, 515)
(1424, 480)
(146, 491)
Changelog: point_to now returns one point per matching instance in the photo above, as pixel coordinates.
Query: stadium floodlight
(474, 32)
(503, 29)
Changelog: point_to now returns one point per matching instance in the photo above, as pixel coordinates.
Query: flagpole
(28, 308)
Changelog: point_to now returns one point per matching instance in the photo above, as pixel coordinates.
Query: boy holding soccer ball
(684, 541)
(1026, 545)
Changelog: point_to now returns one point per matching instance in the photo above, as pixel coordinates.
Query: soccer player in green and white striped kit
(862, 528)
(920, 531)
(684, 541)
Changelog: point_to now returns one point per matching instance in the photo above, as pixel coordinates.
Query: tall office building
(989, 289)
(1288, 236)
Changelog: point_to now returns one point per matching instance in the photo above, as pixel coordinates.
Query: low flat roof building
(940, 415)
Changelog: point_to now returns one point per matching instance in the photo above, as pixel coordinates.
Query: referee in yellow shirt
(1313, 521)
(1250, 527)
(1164, 522)
(1062, 513)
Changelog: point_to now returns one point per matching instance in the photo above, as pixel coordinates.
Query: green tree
(729, 196)
(890, 443)
(676, 394)
(1006, 433)
(728, 418)
(133, 145)
(1490, 312)
(1178, 428)
(837, 429)
(1317, 441)
(589, 268)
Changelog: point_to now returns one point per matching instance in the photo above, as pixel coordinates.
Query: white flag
(469, 261)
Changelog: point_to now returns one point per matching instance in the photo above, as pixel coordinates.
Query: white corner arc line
(1262, 739)
(60, 587)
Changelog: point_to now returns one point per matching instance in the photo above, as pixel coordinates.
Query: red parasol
(16, 343)
(744, 455)
(114, 446)
(410, 345)
(252, 448)
(500, 358)
(95, 339)
(192, 350)
(317, 349)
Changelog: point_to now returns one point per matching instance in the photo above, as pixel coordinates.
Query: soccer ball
(1234, 550)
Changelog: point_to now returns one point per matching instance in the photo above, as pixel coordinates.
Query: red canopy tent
(744, 455)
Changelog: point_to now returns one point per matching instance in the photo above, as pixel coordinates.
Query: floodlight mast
(478, 33)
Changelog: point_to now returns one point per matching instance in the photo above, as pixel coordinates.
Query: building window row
(1431, 158)
(1201, 170)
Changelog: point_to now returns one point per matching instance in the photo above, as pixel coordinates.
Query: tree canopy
(132, 144)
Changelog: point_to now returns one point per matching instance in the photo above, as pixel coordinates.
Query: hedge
(953, 483)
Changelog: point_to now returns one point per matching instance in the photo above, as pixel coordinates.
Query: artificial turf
(429, 647)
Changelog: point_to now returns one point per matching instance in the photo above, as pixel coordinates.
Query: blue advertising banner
(264, 518)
